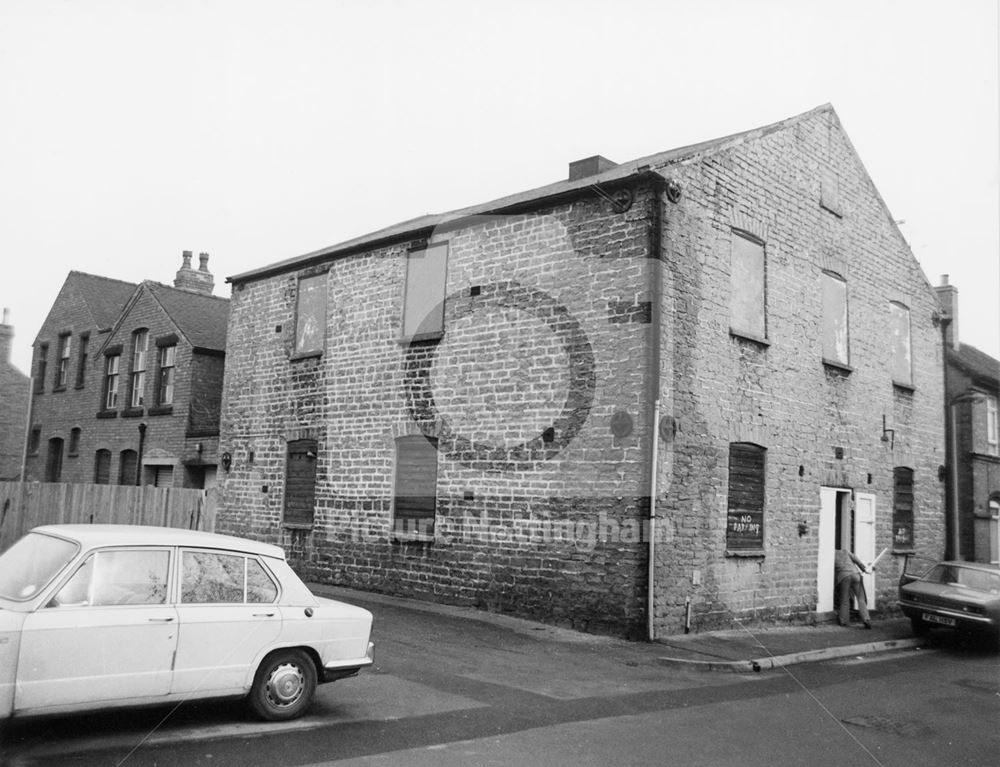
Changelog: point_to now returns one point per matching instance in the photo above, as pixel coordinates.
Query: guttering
(653, 376)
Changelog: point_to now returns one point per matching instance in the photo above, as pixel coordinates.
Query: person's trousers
(847, 586)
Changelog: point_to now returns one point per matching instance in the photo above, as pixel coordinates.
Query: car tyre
(920, 627)
(284, 686)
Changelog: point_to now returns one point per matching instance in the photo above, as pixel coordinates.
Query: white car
(95, 616)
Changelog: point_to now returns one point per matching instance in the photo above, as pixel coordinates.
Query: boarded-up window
(102, 467)
(902, 508)
(426, 271)
(899, 323)
(128, 468)
(745, 517)
(162, 476)
(310, 315)
(747, 287)
(416, 486)
(300, 482)
(74, 440)
(835, 347)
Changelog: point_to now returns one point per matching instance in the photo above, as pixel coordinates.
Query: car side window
(260, 587)
(209, 577)
(117, 577)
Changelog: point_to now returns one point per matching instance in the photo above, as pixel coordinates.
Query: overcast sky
(257, 131)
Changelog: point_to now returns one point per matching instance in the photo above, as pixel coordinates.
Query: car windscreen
(955, 575)
(29, 565)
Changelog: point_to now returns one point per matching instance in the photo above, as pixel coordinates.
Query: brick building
(14, 398)
(477, 407)
(972, 391)
(132, 392)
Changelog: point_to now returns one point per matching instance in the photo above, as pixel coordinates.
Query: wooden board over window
(310, 315)
(902, 508)
(416, 484)
(300, 482)
(745, 515)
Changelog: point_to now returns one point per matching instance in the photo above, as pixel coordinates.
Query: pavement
(748, 649)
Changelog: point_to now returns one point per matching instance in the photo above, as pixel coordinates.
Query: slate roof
(977, 364)
(510, 203)
(202, 319)
(105, 297)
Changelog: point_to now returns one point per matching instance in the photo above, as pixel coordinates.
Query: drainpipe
(138, 461)
(653, 375)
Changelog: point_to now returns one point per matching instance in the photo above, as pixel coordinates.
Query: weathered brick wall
(554, 307)
(725, 389)
(14, 400)
(524, 349)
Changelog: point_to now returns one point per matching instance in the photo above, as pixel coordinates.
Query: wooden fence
(24, 505)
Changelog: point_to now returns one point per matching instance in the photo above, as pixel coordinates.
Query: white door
(827, 548)
(228, 616)
(109, 634)
(864, 539)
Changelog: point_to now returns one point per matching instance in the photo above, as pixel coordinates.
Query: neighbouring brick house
(972, 391)
(14, 398)
(477, 407)
(132, 393)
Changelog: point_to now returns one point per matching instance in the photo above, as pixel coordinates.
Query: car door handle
(160, 620)
(263, 615)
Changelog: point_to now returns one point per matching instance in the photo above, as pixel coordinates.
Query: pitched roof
(104, 296)
(202, 319)
(514, 202)
(978, 364)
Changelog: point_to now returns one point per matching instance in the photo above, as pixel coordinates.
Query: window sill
(990, 457)
(162, 410)
(107, 413)
(306, 526)
(903, 552)
(58, 388)
(741, 336)
(80, 387)
(839, 367)
(745, 553)
(132, 412)
(903, 388)
(437, 335)
(296, 356)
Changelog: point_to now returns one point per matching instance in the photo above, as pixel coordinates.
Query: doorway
(846, 520)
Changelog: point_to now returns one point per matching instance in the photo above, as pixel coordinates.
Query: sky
(257, 131)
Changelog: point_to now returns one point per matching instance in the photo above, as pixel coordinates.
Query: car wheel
(284, 686)
(920, 628)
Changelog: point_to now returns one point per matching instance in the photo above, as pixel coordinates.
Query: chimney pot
(203, 262)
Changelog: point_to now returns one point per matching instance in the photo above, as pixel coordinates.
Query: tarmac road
(450, 689)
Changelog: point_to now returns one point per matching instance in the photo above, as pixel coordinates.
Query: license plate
(938, 619)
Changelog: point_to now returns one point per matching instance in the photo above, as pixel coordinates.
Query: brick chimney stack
(6, 336)
(198, 280)
(948, 298)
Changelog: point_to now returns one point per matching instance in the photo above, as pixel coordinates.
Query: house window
(165, 382)
(81, 361)
(43, 366)
(745, 516)
(53, 461)
(74, 441)
(62, 372)
(902, 508)
(140, 341)
(111, 374)
(423, 307)
(102, 467)
(128, 468)
(899, 323)
(415, 501)
(35, 440)
(300, 482)
(835, 348)
(992, 444)
(310, 315)
(747, 287)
